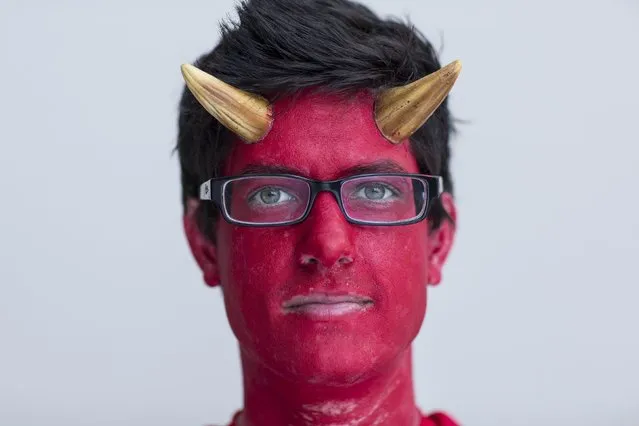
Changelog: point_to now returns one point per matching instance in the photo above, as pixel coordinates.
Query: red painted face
(264, 269)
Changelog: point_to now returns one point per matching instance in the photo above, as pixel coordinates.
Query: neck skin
(387, 398)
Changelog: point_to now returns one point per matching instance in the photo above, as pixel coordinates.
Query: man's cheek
(398, 253)
(262, 261)
(398, 261)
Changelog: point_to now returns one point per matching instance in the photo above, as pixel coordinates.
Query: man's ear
(441, 240)
(202, 248)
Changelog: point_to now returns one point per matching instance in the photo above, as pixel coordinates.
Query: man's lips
(323, 305)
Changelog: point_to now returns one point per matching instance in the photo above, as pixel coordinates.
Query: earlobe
(441, 241)
(202, 248)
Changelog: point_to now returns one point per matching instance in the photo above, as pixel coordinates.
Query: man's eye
(375, 192)
(270, 196)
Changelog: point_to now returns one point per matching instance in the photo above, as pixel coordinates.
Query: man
(317, 194)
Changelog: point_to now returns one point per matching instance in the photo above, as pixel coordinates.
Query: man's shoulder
(434, 419)
(234, 419)
(438, 419)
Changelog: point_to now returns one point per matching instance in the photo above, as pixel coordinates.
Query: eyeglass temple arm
(440, 185)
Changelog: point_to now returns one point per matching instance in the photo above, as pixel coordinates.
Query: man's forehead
(379, 166)
(323, 136)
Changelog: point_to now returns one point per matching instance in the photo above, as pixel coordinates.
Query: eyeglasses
(381, 199)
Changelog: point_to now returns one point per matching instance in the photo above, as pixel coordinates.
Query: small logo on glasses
(205, 191)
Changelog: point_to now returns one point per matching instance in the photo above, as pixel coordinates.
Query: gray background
(104, 319)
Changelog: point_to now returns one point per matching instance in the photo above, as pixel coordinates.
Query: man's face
(262, 270)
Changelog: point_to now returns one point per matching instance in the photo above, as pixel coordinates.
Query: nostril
(312, 260)
(308, 260)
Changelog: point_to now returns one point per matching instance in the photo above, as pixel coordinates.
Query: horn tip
(187, 69)
(451, 71)
(455, 66)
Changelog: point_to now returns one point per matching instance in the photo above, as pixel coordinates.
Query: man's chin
(340, 352)
(330, 366)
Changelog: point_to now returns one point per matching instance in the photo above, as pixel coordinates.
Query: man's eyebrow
(382, 166)
(261, 169)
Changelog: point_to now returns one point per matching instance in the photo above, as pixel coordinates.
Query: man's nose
(327, 241)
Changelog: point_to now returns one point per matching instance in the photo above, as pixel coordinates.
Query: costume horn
(247, 115)
(400, 111)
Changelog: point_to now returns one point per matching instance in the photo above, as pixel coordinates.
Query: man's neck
(387, 398)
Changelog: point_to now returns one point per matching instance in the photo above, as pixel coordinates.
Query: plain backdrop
(104, 318)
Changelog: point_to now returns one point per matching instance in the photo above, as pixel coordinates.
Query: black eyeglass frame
(214, 189)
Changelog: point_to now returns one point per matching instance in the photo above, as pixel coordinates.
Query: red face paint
(275, 280)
